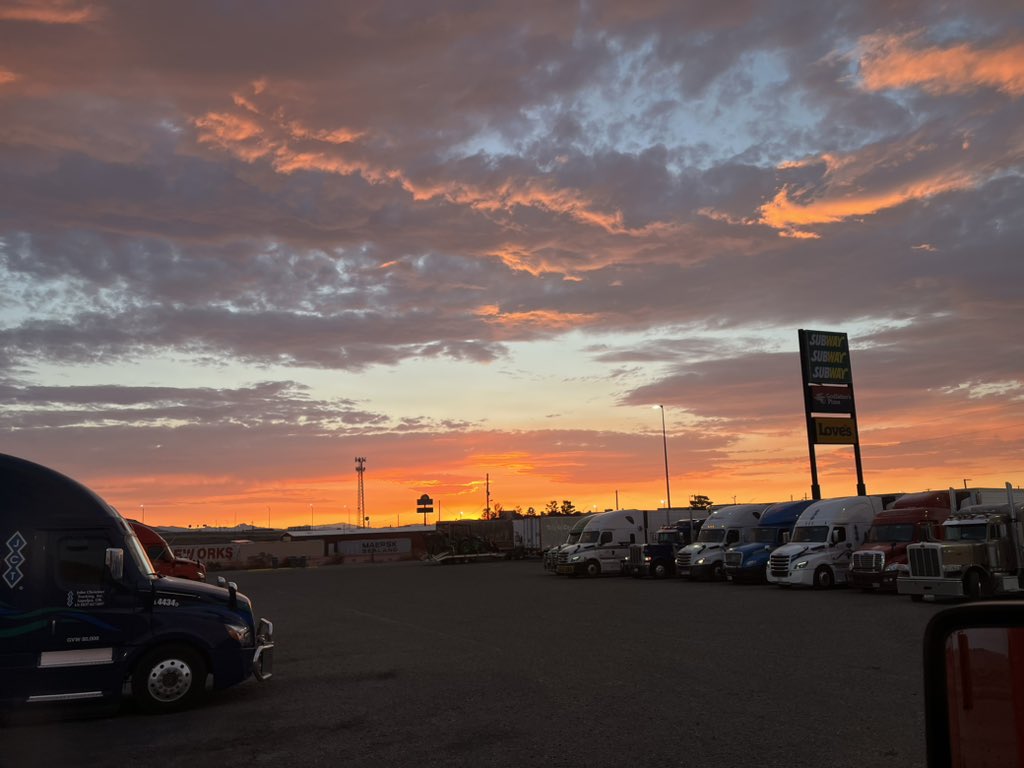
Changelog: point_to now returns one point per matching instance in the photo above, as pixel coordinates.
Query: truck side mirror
(114, 561)
(785, 537)
(972, 684)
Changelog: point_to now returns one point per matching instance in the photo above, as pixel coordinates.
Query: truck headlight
(240, 633)
(701, 561)
(575, 558)
(897, 567)
(952, 568)
(800, 566)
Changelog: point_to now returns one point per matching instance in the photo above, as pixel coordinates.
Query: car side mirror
(974, 684)
(114, 561)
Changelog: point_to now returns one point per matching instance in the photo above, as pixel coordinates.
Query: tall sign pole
(829, 406)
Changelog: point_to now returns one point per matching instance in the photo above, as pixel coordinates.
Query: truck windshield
(810, 533)
(975, 532)
(138, 554)
(891, 532)
(766, 535)
(667, 537)
(711, 535)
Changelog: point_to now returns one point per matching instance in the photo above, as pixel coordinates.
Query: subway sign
(827, 357)
(835, 432)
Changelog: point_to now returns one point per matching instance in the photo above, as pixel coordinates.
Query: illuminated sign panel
(835, 431)
(827, 357)
(831, 399)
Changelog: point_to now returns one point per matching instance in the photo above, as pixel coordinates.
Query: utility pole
(361, 491)
(488, 495)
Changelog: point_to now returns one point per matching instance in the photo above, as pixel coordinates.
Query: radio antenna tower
(361, 492)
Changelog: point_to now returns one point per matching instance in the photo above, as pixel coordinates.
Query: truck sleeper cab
(83, 615)
(725, 527)
(748, 563)
(824, 537)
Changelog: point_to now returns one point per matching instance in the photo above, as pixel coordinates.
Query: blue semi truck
(83, 614)
(748, 562)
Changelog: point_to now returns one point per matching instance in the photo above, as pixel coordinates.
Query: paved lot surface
(503, 664)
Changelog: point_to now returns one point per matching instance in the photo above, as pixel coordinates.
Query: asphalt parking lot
(503, 664)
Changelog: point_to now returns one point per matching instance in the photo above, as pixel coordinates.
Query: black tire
(593, 568)
(972, 585)
(169, 678)
(824, 578)
(718, 572)
(659, 570)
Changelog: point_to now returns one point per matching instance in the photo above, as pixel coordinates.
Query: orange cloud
(542, 319)
(788, 215)
(892, 61)
(7, 76)
(49, 12)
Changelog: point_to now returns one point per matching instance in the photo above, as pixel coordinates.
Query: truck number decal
(14, 560)
(168, 602)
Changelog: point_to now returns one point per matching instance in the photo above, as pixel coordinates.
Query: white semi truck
(824, 538)
(604, 541)
(725, 527)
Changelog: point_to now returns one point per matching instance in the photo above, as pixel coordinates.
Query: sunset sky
(242, 243)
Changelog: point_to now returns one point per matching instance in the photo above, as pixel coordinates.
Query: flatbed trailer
(445, 558)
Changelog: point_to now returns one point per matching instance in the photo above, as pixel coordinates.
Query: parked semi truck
(725, 527)
(748, 562)
(551, 554)
(981, 553)
(657, 559)
(912, 517)
(824, 537)
(605, 540)
(83, 615)
(164, 559)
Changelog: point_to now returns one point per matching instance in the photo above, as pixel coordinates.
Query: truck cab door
(91, 617)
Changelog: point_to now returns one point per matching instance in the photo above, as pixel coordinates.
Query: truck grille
(683, 559)
(733, 559)
(563, 558)
(779, 565)
(636, 555)
(869, 561)
(925, 561)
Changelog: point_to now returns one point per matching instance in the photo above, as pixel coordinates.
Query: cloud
(49, 11)
(890, 61)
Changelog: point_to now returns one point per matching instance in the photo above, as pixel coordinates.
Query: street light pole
(664, 443)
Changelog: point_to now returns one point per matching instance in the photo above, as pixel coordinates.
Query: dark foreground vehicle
(83, 615)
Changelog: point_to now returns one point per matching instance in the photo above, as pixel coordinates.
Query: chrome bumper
(263, 659)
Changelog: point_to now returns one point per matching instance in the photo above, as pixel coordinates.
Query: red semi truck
(162, 556)
(912, 517)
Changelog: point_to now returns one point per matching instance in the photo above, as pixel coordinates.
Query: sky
(243, 243)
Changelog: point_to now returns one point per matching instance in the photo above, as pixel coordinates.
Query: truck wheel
(169, 678)
(593, 568)
(972, 585)
(823, 578)
(718, 572)
(659, 570)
